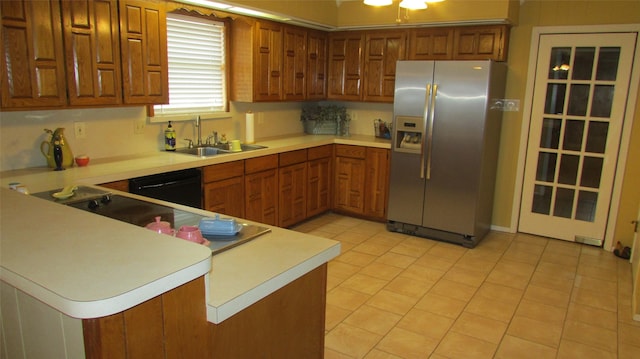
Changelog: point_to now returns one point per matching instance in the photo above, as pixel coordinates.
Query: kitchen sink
(214, 150)
(202, 151)
(243, 147)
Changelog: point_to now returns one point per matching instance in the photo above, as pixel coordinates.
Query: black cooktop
(141, 212)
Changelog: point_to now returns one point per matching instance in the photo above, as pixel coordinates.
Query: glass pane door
(577, 111)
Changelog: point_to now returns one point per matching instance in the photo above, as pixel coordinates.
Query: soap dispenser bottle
(170, 138)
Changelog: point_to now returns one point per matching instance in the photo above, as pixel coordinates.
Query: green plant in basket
(324, 120)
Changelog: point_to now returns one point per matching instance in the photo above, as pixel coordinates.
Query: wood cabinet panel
(295, 64)
(162, 327)
(223, 188)
(261, 163)
(480, 43)
(351, 151)
(376, 182)
(268, 61)
(349, 184)
(319, 179)
(320, 152)
(289, 323)
(32, 65)
(431, 44)
(225, 196)
(382, 51)
(316, 65)
(222, 171)
(361, 181)
(261, 196)
(122, 185)
(292, 157)
(345, 66)
(292, 196)
(143, 41)
(92, 52)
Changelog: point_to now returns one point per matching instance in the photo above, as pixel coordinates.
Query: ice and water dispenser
(408, 134)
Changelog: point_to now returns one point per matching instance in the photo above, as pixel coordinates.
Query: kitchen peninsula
(104, 277)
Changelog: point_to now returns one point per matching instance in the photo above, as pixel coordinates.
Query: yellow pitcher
(57, 138)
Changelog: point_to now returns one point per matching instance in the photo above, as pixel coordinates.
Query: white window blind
(196, 54)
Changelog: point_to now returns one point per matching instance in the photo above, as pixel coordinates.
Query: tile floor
(391, 295)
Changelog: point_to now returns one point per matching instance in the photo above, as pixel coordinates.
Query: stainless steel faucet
(199, 127)
(213, 136)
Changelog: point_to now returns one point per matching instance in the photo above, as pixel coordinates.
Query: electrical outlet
(80, 129)
(138, 126)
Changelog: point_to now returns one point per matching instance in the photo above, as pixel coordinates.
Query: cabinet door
(382, 51)
(431, 44)
(376, 182)
(225, 196)
(316, 65)
(143, 41)
(268, 62)
(481, 43)
(32, 66)
(92, 52)
(319, 186)
(349, 185)
(292, 196)
(345, 66)
(295, 65)
(261, 197)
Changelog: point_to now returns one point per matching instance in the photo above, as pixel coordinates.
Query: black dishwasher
(182, 187)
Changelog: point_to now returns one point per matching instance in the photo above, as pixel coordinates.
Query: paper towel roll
(248, 138)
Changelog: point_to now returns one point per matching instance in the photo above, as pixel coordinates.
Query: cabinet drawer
(258, 164)
(350, 151)
(293, 157)
(320, 152)
(222, 171)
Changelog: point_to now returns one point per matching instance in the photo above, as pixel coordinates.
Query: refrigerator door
(407, 182)
(458, 126)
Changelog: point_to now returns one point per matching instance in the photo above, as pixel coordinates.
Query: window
(197, 75)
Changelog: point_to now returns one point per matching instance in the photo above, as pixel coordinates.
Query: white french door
(577, 113)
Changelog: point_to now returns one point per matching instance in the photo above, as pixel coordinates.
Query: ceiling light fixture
(413, 4)
(378, 2)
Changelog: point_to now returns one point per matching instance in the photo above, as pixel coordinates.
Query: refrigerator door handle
(426, 121)
(430, 134)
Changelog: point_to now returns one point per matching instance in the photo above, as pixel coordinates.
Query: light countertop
(38, 179)
(89, 266)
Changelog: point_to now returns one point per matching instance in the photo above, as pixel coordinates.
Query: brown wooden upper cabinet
(345, 65)
(431, 43)
(33, 73)
(362, 64)
(143, 38)
(276, 62)
(316, 65)
(295, 63)
(481, 43)
(92, 49)
(382, 51)
(110, 55)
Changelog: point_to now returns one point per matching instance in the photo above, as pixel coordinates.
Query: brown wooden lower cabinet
(223, 188)
(172, 325)
(289, 323)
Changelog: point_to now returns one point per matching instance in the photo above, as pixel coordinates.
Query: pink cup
(191, 234)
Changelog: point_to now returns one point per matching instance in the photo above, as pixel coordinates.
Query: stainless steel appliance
(446, 134)
(140, 213)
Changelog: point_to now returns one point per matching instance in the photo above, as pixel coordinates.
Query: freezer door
(458, 130)
(406, 180)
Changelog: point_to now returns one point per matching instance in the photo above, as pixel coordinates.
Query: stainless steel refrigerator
(445, 140)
